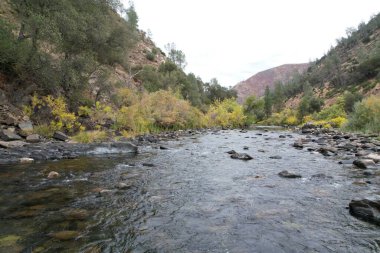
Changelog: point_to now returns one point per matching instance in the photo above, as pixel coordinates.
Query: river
(190, 197)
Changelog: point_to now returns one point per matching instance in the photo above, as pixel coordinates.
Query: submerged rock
(366, 210)
(231, 152)
(275, 157)
(288, 174)
(241, 156)
(64, 235)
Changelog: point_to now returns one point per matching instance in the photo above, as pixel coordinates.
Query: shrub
(366, 116)
(150, 56)
(226, 113)
(55, 110)
(90, 136)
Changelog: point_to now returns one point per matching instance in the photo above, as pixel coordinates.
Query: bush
(366, 116)
(90, 136)
(286, 117)
(53, 111)
(226, 113)
(150, 56)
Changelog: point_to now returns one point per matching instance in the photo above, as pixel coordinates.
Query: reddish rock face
(256, 84)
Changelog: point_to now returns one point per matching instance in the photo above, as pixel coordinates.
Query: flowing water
(191, 197)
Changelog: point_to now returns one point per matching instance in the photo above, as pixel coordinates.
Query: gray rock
(33, 138)
(373, 156)
(231, 152)
(26, 126)
(123, 186)
(288, 174)
(7, 135)
(364, 163)
(12, 144)
(298, 144)
(366, 210)
(275, 157)
(241, 156)
(60, 136)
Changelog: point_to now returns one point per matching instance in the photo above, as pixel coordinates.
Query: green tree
(254, 109)
(278, 97)
(175, 55)
(268, 102)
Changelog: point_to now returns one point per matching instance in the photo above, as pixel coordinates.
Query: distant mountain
(255, 85)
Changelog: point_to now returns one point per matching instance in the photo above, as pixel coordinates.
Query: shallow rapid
(189, 196)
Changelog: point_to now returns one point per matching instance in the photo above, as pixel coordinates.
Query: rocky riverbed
(186, 193)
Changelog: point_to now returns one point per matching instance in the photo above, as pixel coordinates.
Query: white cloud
(232, 40)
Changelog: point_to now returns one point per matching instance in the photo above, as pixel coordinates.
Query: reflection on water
(189, 198)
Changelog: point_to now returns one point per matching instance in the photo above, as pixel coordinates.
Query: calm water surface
(191, 197)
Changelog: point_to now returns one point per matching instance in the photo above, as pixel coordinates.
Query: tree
(176, 56)
(278, 97)
(254, 109)
(268, 102)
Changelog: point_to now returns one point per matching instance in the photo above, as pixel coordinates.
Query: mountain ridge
(256, 84)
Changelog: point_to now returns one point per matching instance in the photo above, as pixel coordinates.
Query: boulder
(12, 144)
(241, 156)
(60, 136)
(26, 126)
(33, 138)
(8, 135)
(364, 163)
(288, 174)
(366, 210)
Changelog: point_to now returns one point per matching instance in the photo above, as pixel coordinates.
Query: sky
(233, 40)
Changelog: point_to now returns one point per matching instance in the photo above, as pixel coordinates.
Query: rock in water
(366, 210)
(241, 156)
(275, 157)
(288, 174)
(364, 163)
(65, 235)
(373, 156)
(60, 136)
(26, 160)
(7, 135)
(53, 174)
(231, 152)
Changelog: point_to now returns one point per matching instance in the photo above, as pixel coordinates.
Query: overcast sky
(232, 40)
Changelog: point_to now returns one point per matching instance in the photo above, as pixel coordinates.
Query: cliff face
(256, 84)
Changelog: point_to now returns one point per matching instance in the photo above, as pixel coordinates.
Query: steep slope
(256, 84)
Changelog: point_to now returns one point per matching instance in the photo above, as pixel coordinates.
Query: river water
(191, 197)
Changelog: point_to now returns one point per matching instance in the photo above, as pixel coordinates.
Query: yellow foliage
(226, 113)
(338, 121)
(291, 121)
(63, 119)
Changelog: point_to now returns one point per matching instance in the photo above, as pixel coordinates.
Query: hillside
(255, 85)
(80, 67)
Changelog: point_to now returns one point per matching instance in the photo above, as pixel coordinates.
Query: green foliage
(268, 102)
(254, 109)
(226, 113)
(150, 56)
(91, 136)
(176, 56)
(350, 98)
(366, 116)
(61, 43)
(309, 103)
